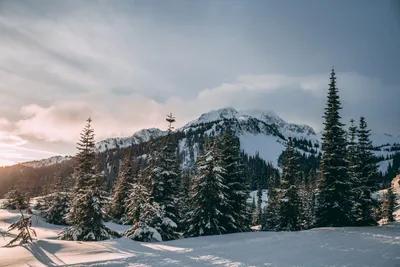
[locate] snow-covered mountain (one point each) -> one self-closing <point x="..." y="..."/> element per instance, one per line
<point x="46" y="162"/>
<point x="259" y="132"/>
<point x="141" y="136"/>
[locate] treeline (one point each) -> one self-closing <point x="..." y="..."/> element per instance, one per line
<point x="163" y="202"/>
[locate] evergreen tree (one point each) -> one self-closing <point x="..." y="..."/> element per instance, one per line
<point x="367" y="173"/>
<point x="290" y="208"/>
<point x="184" y="197"/>
<point x="271" y="213"/>
<point x="137" y="198"/>
<point x="58" y="204"/>
<point x="388" y="205"/>
<point x="23" y="225"/>
<point x="122" y="188"/>
<point x="353" y="167"/>
<point x="163" y="176"/>
<point x="333" y="206"/>
<point x="86" y="212"/>
<point x="238" y="191"/>
<point x="210" y="195"/>
<point x="15" y="200"/>
<point x="151" y="200"/>
<point x="147" y="216"/>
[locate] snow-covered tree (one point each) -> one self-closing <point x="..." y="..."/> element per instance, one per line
<point x="15" y="200"/>
<point x="209" y="199"/>
<point x="238" y="191"/>
<point x="367" y="174"/>
<point x="127" y="176"/>
<point x="23" y="225"/>
<point x="184" y="197"/>
<point x="161" y="178"/>
<point x="290" y="205"/>
<point x="271" y="211"/>
<point x="138" y="197"/>
<point x="353" y="167"/>
<point x="58" y="204"/>
<point x="154" y="200"/>
<point x="86" y="212"/>
<point x="147" y="229"/>
<point x="333" y="206"/>
<point x="147" y="216"/>
<point x="388" y="205"/>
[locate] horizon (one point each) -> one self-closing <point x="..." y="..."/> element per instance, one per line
<point x="128" y="64"/>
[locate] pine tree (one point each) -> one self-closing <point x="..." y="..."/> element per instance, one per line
<point x="353" y="167"/>
<point x="137" y="198"/>
<point x="58" y="206"/>
<point x="210" y="195"/>
<point x="126" y="177"/>
<point x="388" y="205"/>
<point x="23" y="225"/>
<point x="147" y="215"/>
<point x="15" y="200"/>
<point x="290" y="208"/>
<point x="367" y="174"/>
<point x="184" y="197"/>
<point x="234" y="177"/>
<point x="163" y="176"/>
<point x="86" y="212"/>
<point x="271" y="211"/>
<point x="333" y="206"/>
<point x="152" y="197"/>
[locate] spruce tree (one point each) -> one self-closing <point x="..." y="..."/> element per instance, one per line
<point x="333" y="206"/>
<point x="58" y="204"/>
<point x="238" y="191"/>
<point x="152" y="204"/>
<point x="353" y="167"/>
<point x="15" y="200"/>
<point x="126" y="177"/>
<point x="86" y="212"/>
<point x="184" y="197"/>
<point x="209" y="199"/>
<point x="290" y="207"/>
<point x="388" y="205"/>
<point x="367" y="173"/>
<point x="146" y="215"/>
<point x="163" y="176"/>
<point x="271" y="211"/>
<point x="138" y="196"/>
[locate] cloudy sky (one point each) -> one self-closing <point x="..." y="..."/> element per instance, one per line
<point x="128" y="63"/>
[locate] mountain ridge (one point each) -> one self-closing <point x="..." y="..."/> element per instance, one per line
<point x="262" y="132"/>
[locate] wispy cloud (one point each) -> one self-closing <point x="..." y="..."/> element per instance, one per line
<point x="127" y="64"/>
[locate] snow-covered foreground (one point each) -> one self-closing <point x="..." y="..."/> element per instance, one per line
<point x="369" y="246"/>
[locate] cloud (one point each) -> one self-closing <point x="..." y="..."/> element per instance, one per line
<point x="8" y="140"/>
<point x="295" y="98"/>
<point x="128" y="65"/>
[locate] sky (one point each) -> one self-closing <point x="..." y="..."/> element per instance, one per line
<point x="129" y="63"/>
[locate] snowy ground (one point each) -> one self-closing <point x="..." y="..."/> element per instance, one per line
<point x="369" y="246"/>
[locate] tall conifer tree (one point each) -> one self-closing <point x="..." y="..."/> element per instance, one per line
<point x="234" y="178"/>
<point x="334" y="207"/>
<point x="86" y="213"/>
<point x="127" y="176"/>
<point x="210" y="199"/>
<point x="367" y="173"/>
<point x="290" y="206"/>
